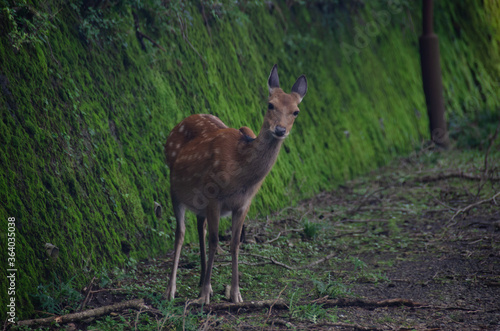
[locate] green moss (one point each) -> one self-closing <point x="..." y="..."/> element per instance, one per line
<point x="83" y="124"/>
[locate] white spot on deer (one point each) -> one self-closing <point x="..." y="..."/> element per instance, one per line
<point x="173" y="154"/>
<point x="217" y="151"/>
<point x="216" y="163"/>
<point x="178" y="146"/>
<point x="170" y="144"/>
<point x="181" y="128"/>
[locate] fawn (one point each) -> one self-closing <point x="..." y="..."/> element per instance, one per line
<point x="216" y="171"/>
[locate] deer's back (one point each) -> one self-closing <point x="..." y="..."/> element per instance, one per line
<point x="192" y="127"/>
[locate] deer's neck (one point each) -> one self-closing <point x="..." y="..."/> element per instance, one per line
<point x="260" y="156"/>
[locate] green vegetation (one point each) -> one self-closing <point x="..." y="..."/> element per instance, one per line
<point x="87" y="103"/>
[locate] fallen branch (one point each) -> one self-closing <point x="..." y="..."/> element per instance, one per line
<point x="276" y="304"/>
<point x="469" y="207"/>
<point x="347" y="325"/>
<point x="281" y="304"/>
<point x="279" y="321"/>
<point x="370" y="303"/>
<point x="461" y="175"/>
<point x="96" y="312"/>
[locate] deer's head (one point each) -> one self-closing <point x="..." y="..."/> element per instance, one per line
<point x="282" y="108"/>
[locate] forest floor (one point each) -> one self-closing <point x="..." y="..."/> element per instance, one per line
<point x="414" y="245"/>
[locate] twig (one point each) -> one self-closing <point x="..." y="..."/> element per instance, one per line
<point x="350" y="233"/>
<point x="141" y="35"/>
<point x="88" y="293"/>
<point x="279" y="321"/>
<point x="186" y="305"/>
<point x="403" y="210"/>
<point x="279" y="295"/>
<point x="469" y="207"/>
<point x="137" y="318"/>
<point x="312" y="264"/>
<point x="364" y="199"/>
<point x="96" y="312"/>
<point x="461" y="175"/>
<point x="303" y="215"/>
<point x="365" y="221"/>
<point x="273" y="261"/>
<point x="205" y="20"/>
<point x="440" y="202"/>
<point x="273" y="240"/>
<point x="151" y="40"/>
<point x="283" y="232"/>
<point x="189" y="43"/>
<point x="107" y="290"/>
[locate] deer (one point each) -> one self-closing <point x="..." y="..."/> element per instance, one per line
<point x="215" y="171"/>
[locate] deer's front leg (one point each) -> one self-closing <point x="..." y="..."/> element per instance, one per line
<point x="237" y="225"/>
<point x="213" y="215"/>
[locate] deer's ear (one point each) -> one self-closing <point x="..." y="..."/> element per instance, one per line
<point x="273" y="81"/>
<point x="300" y="87"/>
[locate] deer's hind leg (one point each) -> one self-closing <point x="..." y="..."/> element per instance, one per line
<point x="180" y="230"/>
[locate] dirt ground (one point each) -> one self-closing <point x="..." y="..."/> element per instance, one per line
<point x="412" y="246"/>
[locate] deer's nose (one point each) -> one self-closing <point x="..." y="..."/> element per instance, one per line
<point x="280" y="131"/>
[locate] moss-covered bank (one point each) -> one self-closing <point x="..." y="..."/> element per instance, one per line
<point x="85" y="112"/>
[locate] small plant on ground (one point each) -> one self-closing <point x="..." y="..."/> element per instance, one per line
<point x="311" y="312"/>
<point x="57" y="297"/>
<point x="363" y="275"/>
<point x="311" y="229"/>
<point x="332" y="288"/>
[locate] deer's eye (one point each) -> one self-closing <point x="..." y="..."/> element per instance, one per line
<point x="296" y="113"/>
<point x="270" y="106"/>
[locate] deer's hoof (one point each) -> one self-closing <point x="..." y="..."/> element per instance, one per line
<point x="236" y="297"/>
<point x="233" y="295"/>
<point x="203" y="300"/>
<point x="206" y="293"/>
